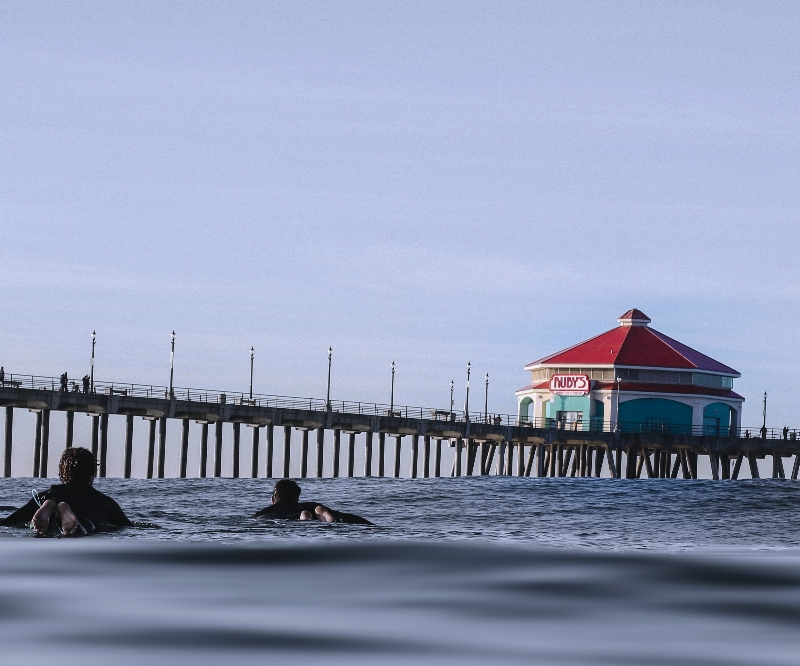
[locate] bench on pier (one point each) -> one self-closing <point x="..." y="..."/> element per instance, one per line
<point x="115" y="391"/>
<point x="394" y="413"/>
<point x="9" y="383"/>
<point x="443" y="414"/>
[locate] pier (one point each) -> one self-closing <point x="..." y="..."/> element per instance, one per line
<point x="442" y="442"/>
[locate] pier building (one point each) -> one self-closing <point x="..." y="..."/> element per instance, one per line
<point x="631" y="378"/>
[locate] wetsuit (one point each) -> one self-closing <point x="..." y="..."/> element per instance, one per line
<point x="292" y="511"/>
<point x="92" y="508"/>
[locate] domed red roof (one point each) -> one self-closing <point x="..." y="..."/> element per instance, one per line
<point x="634" y="343"/>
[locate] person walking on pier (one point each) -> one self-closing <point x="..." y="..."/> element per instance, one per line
<point x="77" y="506"/>
<point x="64" y="380"/>
<point x="2" y="376"/>
<point x="85" y="382"/>
<point x="286" y="504"/>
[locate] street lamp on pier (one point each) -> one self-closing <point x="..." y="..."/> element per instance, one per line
<point x="391" y="399"/>
<point x="466" y="402"/>
<point x="486" y="401"/>
<point x="252" y="355"/>
<point x="452" y="386"/>
<point x="91" y="376"/>
<point x="328" y="398"/>
<point x="172" y="365"/>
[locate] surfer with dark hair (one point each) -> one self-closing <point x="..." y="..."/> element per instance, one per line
<point x="286" y="504"/>
<point x="74" y="503"/>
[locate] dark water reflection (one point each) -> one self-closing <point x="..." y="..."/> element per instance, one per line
<point x="483" y="570"/>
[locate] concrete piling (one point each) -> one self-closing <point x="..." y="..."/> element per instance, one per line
<point x="9" y="440"/>
<point x="351" y="453"/>
<point x="217" y="449"/>
<point x="270" y="453"/>
<point x="367" y="452"/>
<point x="337" y="451"/>
<point x="68" y="436"/>
<point x="304" y="455"/>
<point x="95" y="434"/>
<point x="287" y="450"/>
<point x="103" y="444"/>
<point x="184" y="447"/>
<point x="414" y="455"/>
<point x="162" y="445"/>
<point x="203" y="450"/>
<point x="237" y="427"/>
<point x="37" y="444"/>
<point x="45" y="442"/>
<point x="381" y="453"/>
<point x="151" y="447"/>
<point x="128" y="445"/>
<point x="254" y="445"/>
<point x="398" y="439"/>
<point x="320" y="451"/>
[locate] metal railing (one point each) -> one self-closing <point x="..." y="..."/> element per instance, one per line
<point x="383" y="410"/>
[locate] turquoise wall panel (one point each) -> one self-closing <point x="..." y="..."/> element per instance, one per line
<point x="647" y="414"/>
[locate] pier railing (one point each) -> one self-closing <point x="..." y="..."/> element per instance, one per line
<point x="154" y="391"/>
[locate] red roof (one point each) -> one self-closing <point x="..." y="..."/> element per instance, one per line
<point x="633" y="387"/>
<point x="633" y="343"/>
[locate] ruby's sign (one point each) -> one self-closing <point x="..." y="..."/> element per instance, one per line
<point x="569" y="384"/>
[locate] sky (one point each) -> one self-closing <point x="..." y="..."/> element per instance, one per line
<point x="429" y="183"/>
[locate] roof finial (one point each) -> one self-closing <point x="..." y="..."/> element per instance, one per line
<point x="634" y="317"/>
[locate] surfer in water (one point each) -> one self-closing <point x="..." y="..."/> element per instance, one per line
<point x="74" y="503"/>
<point x="286" y="504"/>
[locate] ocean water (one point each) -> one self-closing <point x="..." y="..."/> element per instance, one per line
<point x="467" y="570"/>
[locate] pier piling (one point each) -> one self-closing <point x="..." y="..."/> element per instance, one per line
<point x="337" y="452"/>
<point x="9" y="439"/>
<point x="287" y="450"/>
<point x="184" y="448"/>
<point x="95" y="434"/>
<point x="37" y="444"/>
<point x="351" y="453"/>
<point x="367" y="452"/>
<point x="218" y="449"/>
<point x="270" y="453"/>
<point x="103" y="445"/>
<point x="254" y="452"/>
<point x="236" y="451"/>
<point x="151" y="447"/>
<point x="162" y="445"/>
<point x="68" y="436"/>
<point x="203" y="450"/>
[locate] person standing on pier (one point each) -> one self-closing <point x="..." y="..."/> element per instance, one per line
<point x="2" y="376"/>
<point x="75" y="504"/>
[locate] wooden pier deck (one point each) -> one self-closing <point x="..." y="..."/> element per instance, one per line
<point x="482" y="444"/>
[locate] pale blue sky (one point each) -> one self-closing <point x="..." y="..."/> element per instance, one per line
<point x="430" y="183"/>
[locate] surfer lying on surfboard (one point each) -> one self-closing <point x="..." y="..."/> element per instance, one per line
<point x="286" y="504"/>
<point x="73" y="506"/>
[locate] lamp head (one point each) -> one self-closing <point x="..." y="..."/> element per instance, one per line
<point x="330" y="352"/>
<point x="172" y="337"/>
<point x="94" y="336"/>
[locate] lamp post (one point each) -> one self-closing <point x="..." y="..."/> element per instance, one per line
<point x="764" y="424"/>
<point x="452" y="386"/>
<point x="466" y="402"/>
<point x="172" y="364"/>
<point x="616" y="422"/>
<point x="486" y="401"/>
<point x="391" y="399"/>
<point x="252" y="355"/>
<point x="328" y="399"/>
<point x="91" y="376"/>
